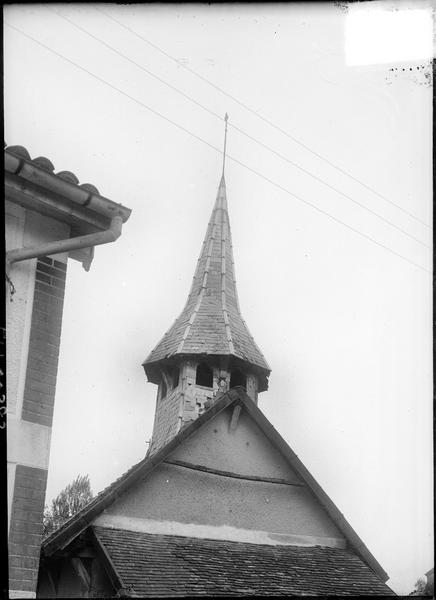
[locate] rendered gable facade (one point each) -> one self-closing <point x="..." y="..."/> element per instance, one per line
<point x="229" y="483"/>
<point x="226" y="486"/>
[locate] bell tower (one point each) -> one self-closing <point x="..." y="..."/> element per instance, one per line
<point x="209" y="348"/>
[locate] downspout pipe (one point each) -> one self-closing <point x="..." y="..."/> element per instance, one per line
<point x="84" y="241"/>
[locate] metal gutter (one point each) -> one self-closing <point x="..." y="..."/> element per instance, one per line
<point x="81" y="206"/>
<point x="59" y="246"/>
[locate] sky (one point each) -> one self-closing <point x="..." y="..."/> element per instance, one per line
<point x="337" y="298"/>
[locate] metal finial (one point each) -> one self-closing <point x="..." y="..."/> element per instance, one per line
<point x="226" y="118"/>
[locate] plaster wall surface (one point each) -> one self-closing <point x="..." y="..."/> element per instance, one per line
<point x="210" y="532"/>
<point x="194" y="401"/>
<point x="173" y="493"/>
<point x="179" y="494"/>
<point x="21" y="594"/>
<point x="28" y="443"/>
<point x="245" y="451"/>
<point x="18" y="308"/>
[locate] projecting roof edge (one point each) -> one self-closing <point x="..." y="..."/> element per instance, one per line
<point x="39" y="172"/>
<point x="339" y="519"/>
<point x="155" y="361"/>
<point x="67" y="532"/>
<point x="111" y="570"/>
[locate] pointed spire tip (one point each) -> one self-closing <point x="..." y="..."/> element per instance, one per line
<point x="226" y="118"/>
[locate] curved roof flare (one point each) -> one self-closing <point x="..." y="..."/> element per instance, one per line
<point x="211" y="322"/>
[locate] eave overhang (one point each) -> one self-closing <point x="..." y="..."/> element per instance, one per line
<point x="33" y="185"/>
<point x="153" y="369"/>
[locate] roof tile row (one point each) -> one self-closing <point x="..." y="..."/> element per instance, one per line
<point x="164" y="565"/>
<point x="44" y="163"/>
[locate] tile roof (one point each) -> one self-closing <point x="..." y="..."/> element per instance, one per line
<point x="44" y="163"/>
<point x="40" y="173"/>
<point x="211" y="321"/>
<point x="150" y="565"/>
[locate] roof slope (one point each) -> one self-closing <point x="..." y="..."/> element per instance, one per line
<point x="211" y="321"/>
<point x="79" y="522"/>
<point x="150" y="565"/>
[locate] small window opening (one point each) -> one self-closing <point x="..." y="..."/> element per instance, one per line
<point x="204" y="375"/>
<point x="163" y="388"/>
<point x="175" y="376"/>
<point x="237" y="378"/>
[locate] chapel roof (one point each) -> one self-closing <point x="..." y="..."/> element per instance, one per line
<point x="150" y="565"/>
<point x="82" y="520"/>
<point x="211" y="322"/>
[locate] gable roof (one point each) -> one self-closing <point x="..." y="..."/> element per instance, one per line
<point x="79" y="522"/>
<point x="211" y="322"/>
<point x="150" y="565"/>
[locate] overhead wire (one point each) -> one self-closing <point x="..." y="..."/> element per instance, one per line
<point x="257" y="114"/>
<point x="219" y="150"/>
<point x="244" y="133"/>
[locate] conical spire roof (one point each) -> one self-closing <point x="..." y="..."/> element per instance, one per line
<point x="211" y="321"/>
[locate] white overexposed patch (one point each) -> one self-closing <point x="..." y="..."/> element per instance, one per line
<point x="378" y="32"/>
<point x="212" y="532"/>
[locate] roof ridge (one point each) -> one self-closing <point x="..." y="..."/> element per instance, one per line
<point x="224" y="232"/>
<point x="202" y="291"/>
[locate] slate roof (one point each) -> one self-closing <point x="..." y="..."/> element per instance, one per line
<point x="211" y="321"/>
<point x="72" y="528"/>
<point x="149" y="565"/>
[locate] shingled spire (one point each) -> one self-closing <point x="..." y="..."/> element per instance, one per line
<point x="209" y="344"/>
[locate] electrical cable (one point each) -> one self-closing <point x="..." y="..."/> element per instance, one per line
<point x="252" y="111"/>
<point x="216" y="115"/>
<point x="155" y="112"/>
